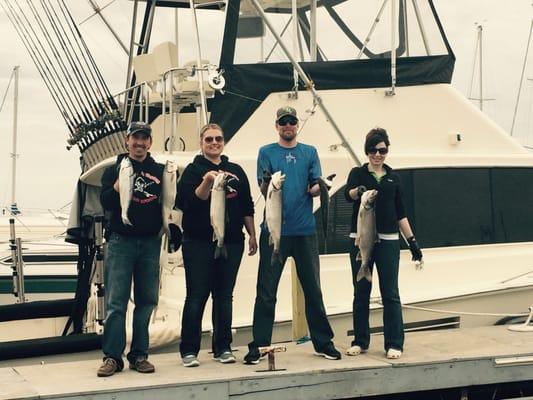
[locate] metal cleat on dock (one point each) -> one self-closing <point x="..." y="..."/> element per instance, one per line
<point x="526" y="326"/>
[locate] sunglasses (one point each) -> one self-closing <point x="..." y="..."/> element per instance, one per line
<point x="381" y="150"/>
<point x="288" y="121"/>
<point x="218" y="139"/>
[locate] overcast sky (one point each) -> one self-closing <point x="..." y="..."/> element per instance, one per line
<point x="47" y="172"/>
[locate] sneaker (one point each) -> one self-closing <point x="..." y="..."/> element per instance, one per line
<point x="253" y="356"/>
<point x="226" y="357"/>
<point x="190" y="360"/>
<point x="108" y="368"/>
<point x="393" y="354"/>
<point x="355" y="350"/>
<point x="143" y="366"/>
<point x="330" y="352"/>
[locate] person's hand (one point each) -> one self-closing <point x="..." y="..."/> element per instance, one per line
<point x="416" y="253"/>
<point x="210" y="176"/>
<point x="116" y="186"/>
<point x="360" y="190"/>
<point x="252" y="246"/>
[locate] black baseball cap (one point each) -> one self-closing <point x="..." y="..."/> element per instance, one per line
<point x="139" y="127"/>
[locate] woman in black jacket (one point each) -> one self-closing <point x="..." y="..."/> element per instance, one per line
<point x="206" y="274"/>
<point x="390" y="219"/>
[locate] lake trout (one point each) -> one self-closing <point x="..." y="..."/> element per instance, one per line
<point x="325" y="184"/>
<point x="126" y="176"/>
<point x="367" y="235"/>
<point x="218" y="213"/>
<point x="274" y="212"/>
<point x="171" y="215"/>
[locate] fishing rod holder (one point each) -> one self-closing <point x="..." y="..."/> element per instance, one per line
<point x="99" y="269"/>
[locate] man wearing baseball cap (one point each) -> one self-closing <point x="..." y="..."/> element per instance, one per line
<point x="300" y="165"/>
<point x="133" y="247"/>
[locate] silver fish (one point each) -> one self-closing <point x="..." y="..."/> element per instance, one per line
<point x="168" y="195"/>
<point x="325" y="184"/>
<point x="274" y="212"/>
<point x="218" y="213"/>
<point x="126" y="176"/>
<point x="367" y="234"/>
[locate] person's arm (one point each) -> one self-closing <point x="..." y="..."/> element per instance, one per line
<point x="264" y="172"/>
<point x="353" y="189"/>
<point x="203" y="190"/>
<point x="109" y="196"/>
<point x="250" y="228"/>
<point x="405" y="228"/>
<point x="315" y="172"/>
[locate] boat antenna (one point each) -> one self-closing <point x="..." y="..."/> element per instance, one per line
<point x="309" y="84"/>
<point x="522" y="78"/>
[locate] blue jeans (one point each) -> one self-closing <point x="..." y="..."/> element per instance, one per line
<point x="304" y="250"/>
<point x="206" y="275"/>
<point x="386" y="256"/>
<point x="127" y="258"/>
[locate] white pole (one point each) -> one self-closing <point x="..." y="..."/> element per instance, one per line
<point x="203" y="103"/>
<point x="480" y="33"/>
<point x="295" y="41"/>
<point x="421" y="27"/>
<point x="393" y="48"/>
<point x="522" y="77"/>
<point x="14" y="154"/>
<point x="176" y="34"/>
<point x="313" y="31"/>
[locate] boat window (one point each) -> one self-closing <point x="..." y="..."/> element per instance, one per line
<point x="450" y="207"/>
<point x="44" y="258"/>
<point x="346" y="30"/>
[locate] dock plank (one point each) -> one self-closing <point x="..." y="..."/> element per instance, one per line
<point x="432" y="360"/>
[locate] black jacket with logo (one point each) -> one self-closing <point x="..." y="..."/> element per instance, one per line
<point x="196" y="212"/>
<point x="389" y="202"/>
<point x="145" y="207"/>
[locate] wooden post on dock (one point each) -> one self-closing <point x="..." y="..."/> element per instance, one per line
<point x="299" y="322"/>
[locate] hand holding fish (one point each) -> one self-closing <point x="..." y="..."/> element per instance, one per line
<point x="210" y="176"/>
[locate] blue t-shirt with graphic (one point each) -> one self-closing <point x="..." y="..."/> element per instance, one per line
<point x="301" y="166"/>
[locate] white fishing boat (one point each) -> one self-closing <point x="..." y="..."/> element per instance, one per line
<point x="465" y="180"/>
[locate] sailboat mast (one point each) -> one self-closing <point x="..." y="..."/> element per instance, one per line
<point x="14" y="154"/>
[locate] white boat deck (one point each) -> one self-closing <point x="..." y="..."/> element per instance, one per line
<point x="432" y="360"/>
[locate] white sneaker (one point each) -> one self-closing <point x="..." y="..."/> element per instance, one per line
<point x="355" y="350"/>
<point x="393" y="354"/>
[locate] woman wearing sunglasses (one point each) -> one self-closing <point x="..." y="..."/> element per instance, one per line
<point x="204" y="274"/>
<point x="390" y="219"/>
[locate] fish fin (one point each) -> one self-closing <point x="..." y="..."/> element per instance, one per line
<point x="360" y="274"/>
<point x="368" y="274"/>
<point x="358" y="256"/>
<point x="126" y="221"/>
<point x="270" y="240"/>
<point x="364" y="272"/>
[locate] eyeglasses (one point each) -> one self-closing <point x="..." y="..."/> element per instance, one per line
<point x="288" y="121"/>
<point x="218" y="139"/>
<point x="381" y="150"/>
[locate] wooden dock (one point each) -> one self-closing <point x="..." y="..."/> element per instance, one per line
<point x="432" y="360"/>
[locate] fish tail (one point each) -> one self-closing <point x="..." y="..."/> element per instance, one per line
<point x="221" y="251"/>
<point x="126" y="221"/>
<point x="364" y="272"/>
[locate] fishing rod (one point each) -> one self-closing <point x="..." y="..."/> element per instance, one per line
<point x="42" y="67"/>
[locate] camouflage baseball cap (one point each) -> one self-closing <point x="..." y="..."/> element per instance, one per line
<point x="286" y="111"/>
<point x="139" y="127"/>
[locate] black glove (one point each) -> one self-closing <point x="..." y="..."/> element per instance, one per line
<point x="267" y="177"/>
<point x="360" y="190"/>
<point x="416" y="253"/>
<point x="175" y="238"/>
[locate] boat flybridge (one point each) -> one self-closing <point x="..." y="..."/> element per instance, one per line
<point x="346" y="66"/>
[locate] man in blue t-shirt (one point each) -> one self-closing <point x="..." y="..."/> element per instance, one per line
<point x="300" y="165"/>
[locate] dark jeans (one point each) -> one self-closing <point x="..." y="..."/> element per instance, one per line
<point x="205" y="275"/>
<point x="304" y="250"/>
<point x="128" y="258"/>
<point x="387" y="259"/>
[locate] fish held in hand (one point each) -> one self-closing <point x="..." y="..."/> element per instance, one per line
<point x="126" y="176"/>
<point x="274" y="212"/>
<point x="367" y="235"/>
<point x="218" y="213"/>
